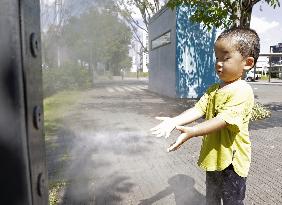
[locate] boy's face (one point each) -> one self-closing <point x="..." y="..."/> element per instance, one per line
<point x="229" y="62"/>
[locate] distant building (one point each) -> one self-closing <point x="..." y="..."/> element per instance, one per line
<point x="276" y="49"/>
<point x="135" y="47"/>
<point x="262" y="65"/>
<point x="140" y="58"/>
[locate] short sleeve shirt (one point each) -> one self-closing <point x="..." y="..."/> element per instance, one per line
<point x="230" y="145"/>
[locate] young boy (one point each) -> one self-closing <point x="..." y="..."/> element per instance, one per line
<point x="226" y="148"/>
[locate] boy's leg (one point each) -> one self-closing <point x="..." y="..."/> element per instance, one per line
<point x="213" y="188"/>
<point x="233" y="187"/>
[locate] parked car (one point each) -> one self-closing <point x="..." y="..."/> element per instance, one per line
<point x="250" y="76"/>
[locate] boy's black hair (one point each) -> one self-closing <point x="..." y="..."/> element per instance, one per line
<point x="245" y="40"/>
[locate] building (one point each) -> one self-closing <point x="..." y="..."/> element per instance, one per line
<point x="276" y="61"/>
<point x="181" y="57"/>
<point x="262" y="65"/>
<point x="276" y="49"/>
<point x="140" y="56"/>
<point x="133" y="52"/>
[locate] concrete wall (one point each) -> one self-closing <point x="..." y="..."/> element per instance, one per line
<point x="162" y="59"/>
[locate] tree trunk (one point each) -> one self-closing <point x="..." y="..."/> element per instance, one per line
<point x="245" y="19"/>
<point x="241" y="12"/>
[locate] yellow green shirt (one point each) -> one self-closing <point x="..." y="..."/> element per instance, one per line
<point x="233" y="104"/>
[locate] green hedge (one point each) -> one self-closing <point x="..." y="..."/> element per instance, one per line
<point x="134" y="74"/>
<point x="65" y="78"/>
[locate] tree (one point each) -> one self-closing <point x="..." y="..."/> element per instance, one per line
<point x="53" y="22"/>
<point x="145" y="8"/>
<point x="222" y="14"/>
<point x="98" y="36"/>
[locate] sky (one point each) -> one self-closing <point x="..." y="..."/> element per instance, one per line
<point x="268" y="24"/>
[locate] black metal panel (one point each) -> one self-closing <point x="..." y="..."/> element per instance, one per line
<point x="22" y="150"/>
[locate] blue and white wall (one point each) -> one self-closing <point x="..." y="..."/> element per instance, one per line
<point x="194" y="56"/>
<point x="184" y="68"/>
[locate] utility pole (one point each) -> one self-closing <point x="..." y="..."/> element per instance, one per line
<point x="269" y="61"/>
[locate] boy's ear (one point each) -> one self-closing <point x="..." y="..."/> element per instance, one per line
<point x="249" y="63"/>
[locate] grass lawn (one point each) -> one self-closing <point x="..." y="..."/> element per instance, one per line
<point x="55" y="108"/>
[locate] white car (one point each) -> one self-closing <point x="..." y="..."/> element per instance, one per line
<point x="250" y="76"/>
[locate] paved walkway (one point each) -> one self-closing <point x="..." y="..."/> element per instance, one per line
<point x="113" y="159"/>
<point x="273" y="81"/>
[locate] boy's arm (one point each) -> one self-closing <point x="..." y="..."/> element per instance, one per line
<point x="168" y="124"/>
<point x="208" y="126"/>
<point x="188" y="116"/>
<point x="200" y="129"/>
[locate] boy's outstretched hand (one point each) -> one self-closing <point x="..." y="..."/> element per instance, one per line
<point x="186" y="133"/>
<point x="164" y="128"/>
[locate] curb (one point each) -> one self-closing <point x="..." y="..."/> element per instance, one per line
<point x="266" y="83"/>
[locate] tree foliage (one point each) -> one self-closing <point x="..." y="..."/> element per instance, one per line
<point x="97" y="36"/>
<point x="223" y="13"/>
<point x="95" y="42"/>
<point x="129" y="9"/>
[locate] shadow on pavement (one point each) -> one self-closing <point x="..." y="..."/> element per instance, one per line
<point x="182" y="187"/>
<point x="76" y="158"/>
<point x="102" y="191"/>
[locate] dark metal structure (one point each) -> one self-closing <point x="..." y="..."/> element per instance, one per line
<point x="23" y="174"/>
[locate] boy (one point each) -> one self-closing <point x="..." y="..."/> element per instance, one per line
<point x="226" y="148"/>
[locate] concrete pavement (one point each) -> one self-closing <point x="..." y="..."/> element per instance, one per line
<point x="113" y="159"/>
<point x="273" y="81"/>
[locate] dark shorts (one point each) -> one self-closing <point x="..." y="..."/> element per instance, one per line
<point x="225" y="185"/>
